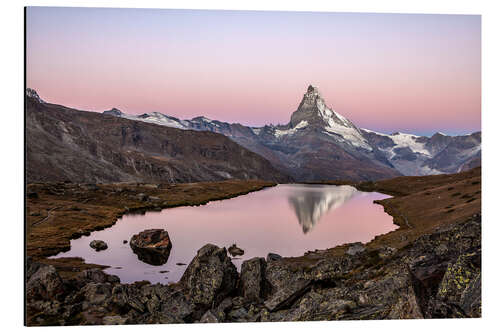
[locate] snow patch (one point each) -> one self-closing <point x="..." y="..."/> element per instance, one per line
<point x="279" y="133"/>
<point x="403" y="140"/>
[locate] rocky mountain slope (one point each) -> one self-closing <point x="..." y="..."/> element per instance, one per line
<point x="64" y="144"/>
<point x="319" y="143"/>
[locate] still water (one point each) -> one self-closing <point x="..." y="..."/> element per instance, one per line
<point x="287" y="219"/>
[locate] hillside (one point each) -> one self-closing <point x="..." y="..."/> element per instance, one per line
<point x="64" y="144"/>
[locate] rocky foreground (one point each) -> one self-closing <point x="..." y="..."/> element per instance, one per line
<point x="436" y="276"/>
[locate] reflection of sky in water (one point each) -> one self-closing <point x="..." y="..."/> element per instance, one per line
<point x="287" y="219"/>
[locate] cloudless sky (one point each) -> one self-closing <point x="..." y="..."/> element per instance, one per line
<point x="414" y="73"/>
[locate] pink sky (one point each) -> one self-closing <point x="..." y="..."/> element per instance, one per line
<point x="386" y="72"/>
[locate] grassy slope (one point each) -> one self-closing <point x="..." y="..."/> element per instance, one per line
<point x="419" y="204"/>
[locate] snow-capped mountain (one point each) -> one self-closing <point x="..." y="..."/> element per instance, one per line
<point x="319" y="143"/>
<point x="33" y="94"/>
<point x="421" y="155"/>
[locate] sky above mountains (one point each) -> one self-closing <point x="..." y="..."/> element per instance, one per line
<point x="387" y="72"/>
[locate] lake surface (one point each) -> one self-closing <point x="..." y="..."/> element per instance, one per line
<point x="287" y="219"/>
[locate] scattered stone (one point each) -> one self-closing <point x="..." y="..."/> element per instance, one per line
<point x="163" y="272"/>
<point x="83" y="232"/>
<point x="142" y="197"/>
<point x="125" y="241"/>
<point x="355" y="249"/>
<point x="235" y="251"/>
<point x="181" y="264"/>
<point x="209" y="317"/>
<point x="98" y="245"/>
<point x="152" y="246"/>
<point x="114" y="320"/>
<point x="273" y="257"/>
<point x="98" y="276"/>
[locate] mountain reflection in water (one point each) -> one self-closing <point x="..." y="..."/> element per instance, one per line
<point x="260" y="223"/>
<point x="312" y="203"/>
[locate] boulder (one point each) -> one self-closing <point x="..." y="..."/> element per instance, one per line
<point x="273" y="257"/>
<point x="98" y="245"/>
<point x="355" y="248"/>
<point x="43" y="282"/>
<point x="210" y="276"/>
<point x="98" y="276"/>
<point x="209" y="317"/>
<point x="458" y="276"/>
<point x="152" y="246"/>
<point x="252" y="278"/>
<point x="235" y="251"/>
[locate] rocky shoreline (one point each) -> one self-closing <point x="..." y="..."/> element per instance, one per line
<point x="429" y="268"/>
<point x="437" y="276"/>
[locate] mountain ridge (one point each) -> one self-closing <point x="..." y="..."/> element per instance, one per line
<point x="63" y="144"/>
<point x="318" y="143"/>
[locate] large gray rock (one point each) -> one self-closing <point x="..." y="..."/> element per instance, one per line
<point x="43" y="283"/>
<point x="152" y="246"/>
<point x="252" y="278"/>
<point x="210" y="276"/>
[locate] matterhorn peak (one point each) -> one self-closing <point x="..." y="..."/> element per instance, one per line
<point x="312" y="90"/>
<point x="33" y="94"/>
<point x="313" y="113"/>
<point x="312" y="109"/>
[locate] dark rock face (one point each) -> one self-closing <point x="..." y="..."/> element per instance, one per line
<point x="273" y="257"/>
<point x="252" y="280"/>
<point x="436" y="276"/>
<point x="43" y="282"/>
<point x="210" y="277"/>
<point x="152" y="246"/>
<point x="98" y="245"/>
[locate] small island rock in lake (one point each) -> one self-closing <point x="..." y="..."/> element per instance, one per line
<point x="152" y="246"/>
<point x="98" y="245"/>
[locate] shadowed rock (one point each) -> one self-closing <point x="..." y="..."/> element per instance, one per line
<point x="252" y="278"/>
<point x="98" y="245"/>
<point x="210" y="276"/>
<point x="235" y="251"/>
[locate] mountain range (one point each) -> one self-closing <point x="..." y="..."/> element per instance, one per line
<point x="64" y="144"/>
<point x="320" y="144"/>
